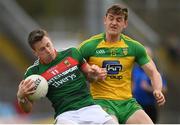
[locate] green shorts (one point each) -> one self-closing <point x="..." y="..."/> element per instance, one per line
<point x="122" y="109"/>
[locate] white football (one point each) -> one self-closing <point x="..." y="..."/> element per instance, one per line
<point x="41" y="87"/>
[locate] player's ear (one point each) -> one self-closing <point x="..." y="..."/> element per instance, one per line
<point x="104" y="20"/>
<point x="125" y="23"/>
<point x="35" y="53"/>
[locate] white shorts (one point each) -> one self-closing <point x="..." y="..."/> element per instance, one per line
<point x="87" y="115"/>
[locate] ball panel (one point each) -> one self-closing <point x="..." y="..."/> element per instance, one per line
<point x="41" y="87"/>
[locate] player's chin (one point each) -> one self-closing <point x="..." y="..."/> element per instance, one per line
<point x="161" y="102"/>
<point x="48" y="60"/>
<point x="113" y="32"/>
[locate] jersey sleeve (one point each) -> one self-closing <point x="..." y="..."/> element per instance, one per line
<point x="77" y="55"/>
<point x="33" y="69"/>
<point x="28" y="73"/>
<point x="87" y="48"/>
<point x="141" y="55"/>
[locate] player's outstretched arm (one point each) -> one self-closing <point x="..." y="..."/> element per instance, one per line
<point x="94" y="72"/>
<point x="156" y="81"/>
<point x="25" y="88"/>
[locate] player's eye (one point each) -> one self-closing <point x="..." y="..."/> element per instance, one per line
<point x="42" y="49"/>
<point x="111" y="18"/>
<point x="120" y="19"/>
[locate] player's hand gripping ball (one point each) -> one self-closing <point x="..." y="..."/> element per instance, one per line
<point x="41" y="87"/>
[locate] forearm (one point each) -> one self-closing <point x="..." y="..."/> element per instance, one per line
<point x="91" y="77"/>
<point x="157" y="89"/>
<point x="145" y="86"/>
<point x="26" y="87"/>
<point x="156" y="81"/>
<point x="25" y="104"/>
<point x="154" y="75"/>
<point x="94" y="73"/>
<point x="88" y="72"/>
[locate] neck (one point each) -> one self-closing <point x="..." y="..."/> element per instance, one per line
<point x="112" y="38"/>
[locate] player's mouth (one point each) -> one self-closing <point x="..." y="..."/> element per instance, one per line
<point x="49" y="58"/>
<point x="113" y="28"/>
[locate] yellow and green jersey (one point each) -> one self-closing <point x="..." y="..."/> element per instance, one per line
<point x="118" y="58"/>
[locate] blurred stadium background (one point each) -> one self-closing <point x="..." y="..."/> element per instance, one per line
<point x="153" y="22"/>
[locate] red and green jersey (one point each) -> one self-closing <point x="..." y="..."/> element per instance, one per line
<point x="118" y="58"/>
<point x="67" y="84"/>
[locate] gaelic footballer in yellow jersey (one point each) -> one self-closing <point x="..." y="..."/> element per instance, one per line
<point x="118" y="53"/>
<point x="118" y="58"/>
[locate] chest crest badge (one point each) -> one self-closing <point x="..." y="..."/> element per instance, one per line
<point x="125" y="51"/>
<point x="113" y="52"/>
<point x="67" y="63"/>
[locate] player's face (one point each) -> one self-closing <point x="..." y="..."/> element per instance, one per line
<point x="114" y="24"/>
<point x="44" y="50"/>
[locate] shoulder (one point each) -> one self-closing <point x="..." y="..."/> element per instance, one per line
<point x="94" y="40"/>
<point x="32" y="69"/>
<point x="131" y="41"/>
<point x="68" y="50"/>
<point x="135" y="46"/>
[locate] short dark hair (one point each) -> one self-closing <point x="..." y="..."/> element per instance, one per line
<point x="118" y="9"/>
<point x="35" y="36"/>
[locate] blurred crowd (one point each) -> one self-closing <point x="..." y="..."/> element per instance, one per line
<point x="173" y="43"/>
<point x="10" y="113"/>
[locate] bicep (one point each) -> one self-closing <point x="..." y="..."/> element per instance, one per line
<point x="141" y="55"/>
